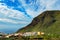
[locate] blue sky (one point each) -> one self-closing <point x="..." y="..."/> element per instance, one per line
<point x="15" y="14"/>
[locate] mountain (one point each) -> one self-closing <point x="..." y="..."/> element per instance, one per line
<point x="48" y="22"/>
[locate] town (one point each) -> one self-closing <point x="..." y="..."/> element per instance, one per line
<point x="2" y="35"/>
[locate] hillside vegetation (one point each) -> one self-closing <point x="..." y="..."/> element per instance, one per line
<point x="48" y="22"/>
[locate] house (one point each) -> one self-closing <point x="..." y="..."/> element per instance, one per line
<point x="29" y="34"/>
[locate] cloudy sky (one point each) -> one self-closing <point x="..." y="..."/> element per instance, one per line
<point x="15" y="14"/>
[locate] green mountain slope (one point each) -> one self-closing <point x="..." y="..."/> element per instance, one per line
<point x="48" y="22"/>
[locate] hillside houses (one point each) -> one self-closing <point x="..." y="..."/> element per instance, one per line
<point x="30" y="34"/>
<point x="23" y="34"/>
<point x="33" y="33"/>
<point x="2" y="34"/>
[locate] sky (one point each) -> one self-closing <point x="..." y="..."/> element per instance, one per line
<point x="16" y="14"/>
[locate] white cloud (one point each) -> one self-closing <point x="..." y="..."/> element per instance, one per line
<point x="10" y="13"/>
<point x="13" y="21"/>
<point x="51" y="4"/>
<point x="6" y="20"/>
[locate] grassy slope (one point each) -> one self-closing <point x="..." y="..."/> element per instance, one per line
<point x="48" y="22"/>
